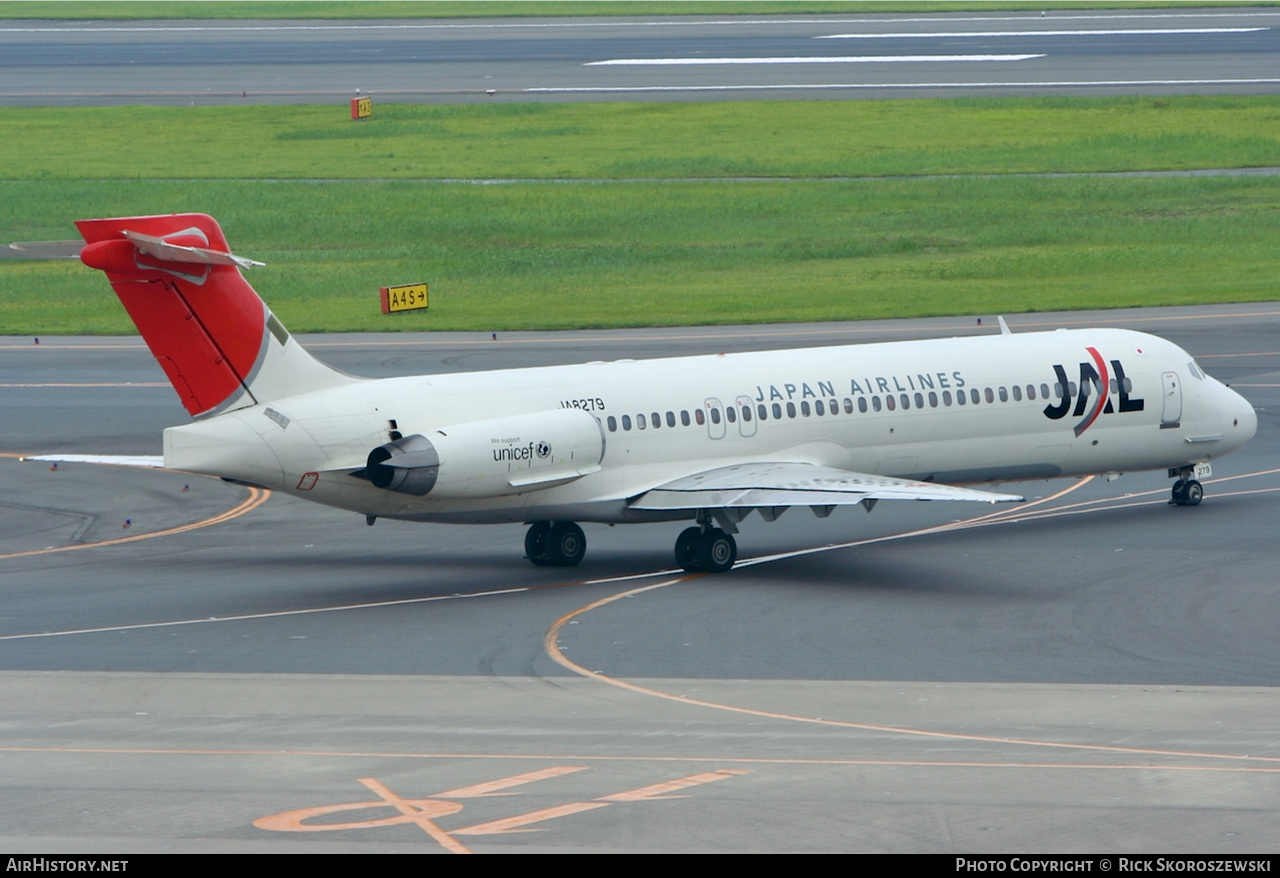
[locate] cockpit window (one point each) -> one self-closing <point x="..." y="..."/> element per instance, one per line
<point x="1195" y="371"/>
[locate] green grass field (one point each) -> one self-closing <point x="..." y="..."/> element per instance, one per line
<point x="627" y="140"/>
<point x="338" y="208"/>
<point x="408" y="9"/>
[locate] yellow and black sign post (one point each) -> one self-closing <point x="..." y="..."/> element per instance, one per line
<point x="361" y="108"/>
<point x="406" y="297"/>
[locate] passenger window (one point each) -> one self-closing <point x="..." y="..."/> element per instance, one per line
<point x="1044" y="390"/>
<point x="746" y="413"/>
<point x="862" y="404"/>
<point x="626" y="422"/>
<point x="657" y="420"/>
<point x="906" y="401"/>
<point x="804" y="408"/>
<point x="671" y="419"/>
<point x="777" y="412"/>
<point x="973" y="395"/>
<point x="875" y="403"/>
<point x="729" y="412"/>
<point x="684" y="417"/>
<point x="640" y="424"/>
<point x="791" y="410"/>
<point x="1017" y="393"/>
<point x="699" y="417"/>
<point x="919" y="400"/>
<point x="762" y="412"/>
<point x="848" y="405"/>
<point x="889" y="402"/>
<point x="613" y="424"/>
<point x="960" y="397"/>
<point x="933" y="400"/>
<point x="715" y="416"/>
<point x="819" y="408"/>
<point x="991" y="397"/>
<point x="1004" y="395"/>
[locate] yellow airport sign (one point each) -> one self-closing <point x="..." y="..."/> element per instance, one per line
<point x="406" y="297"/>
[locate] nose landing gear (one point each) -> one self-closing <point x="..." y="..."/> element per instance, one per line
<point x="555" y="543"/>
<point x="1187" y="491"/>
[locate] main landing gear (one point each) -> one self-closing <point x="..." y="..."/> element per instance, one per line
<point x="701" y="549"/>
<point x="1186" y="490"/>
<point x="555" y="543"/>
<point x="705" y="549"/>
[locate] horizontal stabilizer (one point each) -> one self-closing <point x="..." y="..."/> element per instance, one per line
<point x="162" y="249"/>
<point x="769" y="484"/>
<point x="42" y="250"/>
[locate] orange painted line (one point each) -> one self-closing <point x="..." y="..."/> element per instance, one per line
<point x="492" y="787"/>
<point x="295" y="821"/>
<point x="1233" y="356"/>
<point x="552" y="648"/>
<point x="514" y="824"/>
<point x="743" y="760"/>
<point x="415" y="814"/>
<point x="257" y="496"/>
<point x="662" y="790"/>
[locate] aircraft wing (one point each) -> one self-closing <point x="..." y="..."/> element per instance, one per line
<point x="769" y="484"/>
<point x="144" y="460"/>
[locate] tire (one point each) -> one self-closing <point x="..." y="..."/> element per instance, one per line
<point x="716" y="551"/>
<point x="1179" y="494"/>
<point x="1193" y="493"/>
<point x="687" y="549"/>
<point x="566" y="544"/>
<point x="535" y="543"/>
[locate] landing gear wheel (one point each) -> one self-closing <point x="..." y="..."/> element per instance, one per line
<point x="687" y="549"/>
<point x="1187" y="493"/>
<point x="716" y="551"/>
<point x="1192" y="494"/>
<point x="535" y="543"/>
<point x="566" y="544"/>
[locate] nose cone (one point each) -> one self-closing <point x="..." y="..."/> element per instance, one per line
<point x="1241" y="421"/>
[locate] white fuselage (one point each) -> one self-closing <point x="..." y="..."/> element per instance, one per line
<point x="891" y="409"/>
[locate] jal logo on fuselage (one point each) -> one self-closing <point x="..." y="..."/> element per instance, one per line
<point x="1095" y="382"/>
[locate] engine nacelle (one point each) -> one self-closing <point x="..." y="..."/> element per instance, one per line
<point x="491" y="458"/>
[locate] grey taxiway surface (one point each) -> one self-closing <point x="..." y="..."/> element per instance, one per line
<point x="1094" y="672"/>
<point x="1069" y="51"/>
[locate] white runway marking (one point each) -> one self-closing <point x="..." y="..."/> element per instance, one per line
<point x="815" y="59"/>
<point x="1101" y="83"/>
<point x="1046" y="33"/>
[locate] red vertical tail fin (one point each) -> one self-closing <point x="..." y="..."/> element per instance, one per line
<point x="220" y="345"/>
